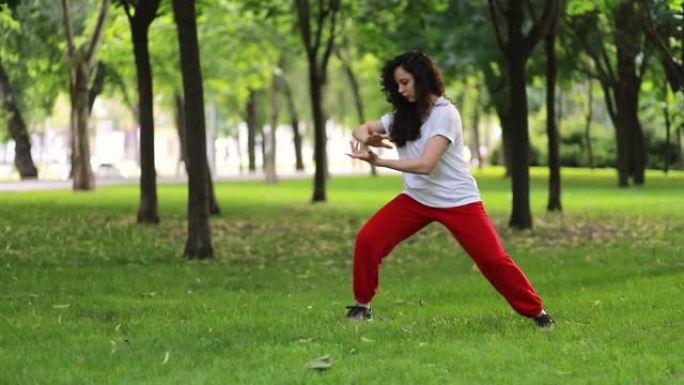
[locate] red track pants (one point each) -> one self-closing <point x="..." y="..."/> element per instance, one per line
<point x="469" y="224"/>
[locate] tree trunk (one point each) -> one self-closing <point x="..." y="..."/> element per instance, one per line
<point x="294" y="120"/>
<point x="627" y="93"/>
<point x="554" y="203"/>
<point x="680" y="158"/>
<point x="356" y="93"/>
<point x="17" y="127"/>
<point x="318" y="51"/>
<point x="517" y="50"/>
<point x="621" y="156"/>
<point x="499" y="91"/>
<point x="199" y="234"/>
<point x="148" y="212"/>
<point x="214" y="208"/>
<point x="476" y="128"/>
<point x="270" y="138"/>
<point x="668" y="128"/>
<point x="316" y="90"/>
<point x="180" y="128"/>
<point x="83" y="178"/>
<point x="252" y="128"/>
<point x="81" y="63"/>
<point x="521" y="216"/>
<point x="587" y="127"/>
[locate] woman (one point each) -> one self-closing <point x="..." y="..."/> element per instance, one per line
<point x="438" y="186"/>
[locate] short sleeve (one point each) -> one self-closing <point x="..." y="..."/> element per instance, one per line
<point x="447" y="124"/>
<point x="387" y="120"/>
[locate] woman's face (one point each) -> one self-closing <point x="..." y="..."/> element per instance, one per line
<point x="406" y="83"/>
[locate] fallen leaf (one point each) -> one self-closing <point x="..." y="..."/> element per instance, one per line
<point x="64" y="306"/>
<point x="320" y="363"/>
<point x="166" y="358"/>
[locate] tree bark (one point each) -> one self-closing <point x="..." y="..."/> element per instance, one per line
<point x="587" y="127"/>
<point x="356" y="93"/>
<point x="320" y="139"/>
<point x="252" y="128"/>
<point x="318" y="52"/>
<point x="17" y="127"/>
<point x="517" y="49"/>
<point x="83" y="178"/>
<point x="180" y="127"/>
<point x="499" y="91"/>
<point x="294" y="121"/>
<point x="145" y="13"/>
<point x="270" y="138"/>
<point x="476" y="128"/>
<point x="98" y="84"/>
<point x="81" y="65"/>
<point x="199" y="233"/>
<point x="668" y="129"/>
<point x="627" y="88"/>
<point x="554" y="203"/>
<point x="214" y="208"/>
<point x="680" y="154"/>
<point x="521" y="216"/>
<point x="620" y="84"/>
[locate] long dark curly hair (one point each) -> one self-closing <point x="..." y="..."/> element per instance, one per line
<point x="409" y="116"/>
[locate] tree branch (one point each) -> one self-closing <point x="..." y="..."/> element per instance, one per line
<point x="305" y="23"/>
<point x="97" y="34"/>
<point x="644" y="62"/>
<point x="493" y="11"/>
<point x="322" y="14"/>
<point x="610" y="103"/>
<point x="532" y="12"/>
<point x="71" y="50"/>
<point x="334" y="10"/>
<point x="127" y="9"/>
<point x="675" y="69"/>
<point x="540" y="27"/>
<point x="605" y="72"/>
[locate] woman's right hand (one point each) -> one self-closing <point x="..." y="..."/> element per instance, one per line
<point x="358" y="151"/>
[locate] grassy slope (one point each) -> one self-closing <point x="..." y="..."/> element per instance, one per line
<point x="90" y="297"/>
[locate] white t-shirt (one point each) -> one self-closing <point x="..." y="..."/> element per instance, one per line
<point x="450" y="183"/>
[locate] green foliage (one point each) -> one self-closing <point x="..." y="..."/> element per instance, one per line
<point x="100" y="299"/>
<point x="30" y="50"/>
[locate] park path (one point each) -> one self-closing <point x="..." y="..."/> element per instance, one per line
<point x="41" y="185"/>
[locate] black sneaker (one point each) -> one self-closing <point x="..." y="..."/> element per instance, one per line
<point x="359" y="313"/>
<point x="544" y="321"/>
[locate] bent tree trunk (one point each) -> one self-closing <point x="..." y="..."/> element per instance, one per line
<point x="294" y="121"/>
<point x="270" y="136"/>
<point x="17" y="127"/>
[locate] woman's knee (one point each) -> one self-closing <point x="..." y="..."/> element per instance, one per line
<point x="366" y="237"/>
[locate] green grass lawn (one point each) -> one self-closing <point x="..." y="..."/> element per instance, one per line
<point x="89" y="297"/>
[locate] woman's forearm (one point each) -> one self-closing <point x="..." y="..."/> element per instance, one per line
<point x="361" y="133"/>
<point x="410" y="165"/>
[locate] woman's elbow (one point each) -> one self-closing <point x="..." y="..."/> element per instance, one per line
<point x="426" y="168"/>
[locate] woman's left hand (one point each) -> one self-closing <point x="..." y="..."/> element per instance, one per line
<point x="358" y="151"/>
